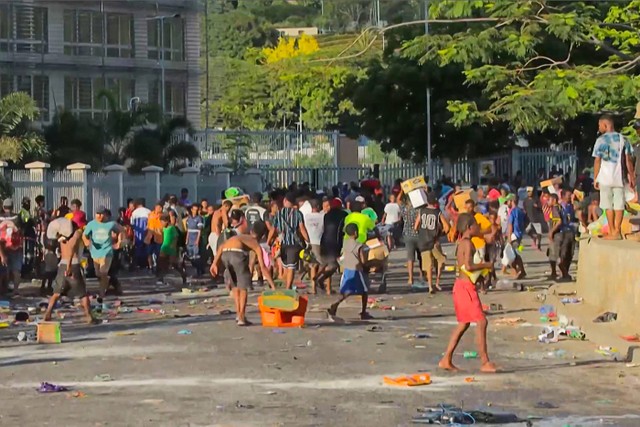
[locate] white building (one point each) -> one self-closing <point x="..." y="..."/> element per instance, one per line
<point x="64" y="52"/>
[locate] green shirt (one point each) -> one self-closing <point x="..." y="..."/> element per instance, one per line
<point x="169" y="241"/>
<point x="364" y="223"/>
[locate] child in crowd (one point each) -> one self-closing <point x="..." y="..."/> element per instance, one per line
<point x="50" y="269"/>
<point x="353" y="279"/>
<point x="169" y="250"/>
<point x="466" y="301"/>
<point x="494" y="247"/>
<point x="194" y="226"/>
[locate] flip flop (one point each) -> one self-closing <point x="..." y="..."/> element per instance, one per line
<point x="413" y="380"/>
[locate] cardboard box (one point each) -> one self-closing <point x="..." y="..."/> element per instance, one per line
<point x="418" y="197"/>
<point x="550" y="182"/>
<point x="49" y="333"/>
<point x="413" y="184"/>
<point x="461" y="197"/>
<point x="377" y="250"/>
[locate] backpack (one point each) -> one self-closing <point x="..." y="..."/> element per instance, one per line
<point x="10" y="235"/>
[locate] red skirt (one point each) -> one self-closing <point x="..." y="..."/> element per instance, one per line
<point x="467" y="302"/>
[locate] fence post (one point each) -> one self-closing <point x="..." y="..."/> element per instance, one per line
<point x="3" y="165"/>
<point x="38" y="175"/>
<point x="116" y="172"/>
<point x="191" y="174"/>
<point x="254" y="180"/>
<point x="152" y="178"/>
<point x="515" y="161"/>
<point x="223" y="176"/>
<point x="79" y="174"/>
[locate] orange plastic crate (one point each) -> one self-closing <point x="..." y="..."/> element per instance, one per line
<point x="274" y="318"/>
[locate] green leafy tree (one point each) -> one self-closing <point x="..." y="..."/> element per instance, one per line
<point x="18" y="142"/>
<point x="391" y="107"/>
<point x="156" y="144"/>
<point x="540" y="63"/>
<point x="71" y="139"/>
<point x="232" y="33"/>
<point x="318" y="159"/>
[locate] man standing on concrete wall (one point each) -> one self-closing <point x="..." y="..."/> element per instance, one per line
<point x="613" y="167"/>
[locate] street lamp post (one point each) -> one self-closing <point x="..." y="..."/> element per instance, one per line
<point x="426" y="32"/>
<point x="161" y="20"/>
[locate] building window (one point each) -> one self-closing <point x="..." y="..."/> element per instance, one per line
<point x="85" y="35"/>
<point x="174" y="95"/>
<point x="172" y="31"/>
<point x="23" y="29"/>
<point x="37" y="87"/>
<point x="82" y="95"/>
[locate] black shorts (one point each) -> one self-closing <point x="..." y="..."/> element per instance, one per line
<point x="74" y="285"/>
<point x="290" y="256"/>
<point x="236" y="264"/>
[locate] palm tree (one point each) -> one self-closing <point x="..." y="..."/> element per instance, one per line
<point x="72" y="139"/>
<point x="143" y="137"/>
<point x="18" y="142"/>
<point x="158" y="144"/>
<point x="120" y="126"/>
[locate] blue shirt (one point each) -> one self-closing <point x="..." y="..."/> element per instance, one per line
<point x="100" y="235"/>
<point x="516" y="220"/>
<point x="194" y="224"/>
<point x="567" y="214"/>
<point x="607" y="147"/>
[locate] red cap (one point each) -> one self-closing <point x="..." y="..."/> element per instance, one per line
<point x="336" y="203"/>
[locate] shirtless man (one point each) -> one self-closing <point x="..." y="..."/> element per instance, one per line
<point x="233" y="254"/>
<point x="466" y="302"/>
<point x="70" y="278"/>
<point x="219" y="222"/>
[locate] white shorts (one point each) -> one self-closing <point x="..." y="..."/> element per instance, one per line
<point x="612" y="198"/>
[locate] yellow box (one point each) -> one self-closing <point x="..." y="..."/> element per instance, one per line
<point x="461" y="197"/>
<point x="49" y="333"/>
<point x="553" y="181"/>
<point x="413" y="184"/>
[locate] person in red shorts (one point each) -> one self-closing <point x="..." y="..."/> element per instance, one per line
<point x="465" y="297"/>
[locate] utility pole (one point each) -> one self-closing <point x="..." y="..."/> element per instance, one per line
<point x="426" y="32"/>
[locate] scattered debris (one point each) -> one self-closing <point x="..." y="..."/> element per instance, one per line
<point x="375" y="328"/>
<point x="470" y="354"/>
<point x="571" y="300"/>
<point x="103" y="378"/>
<point x="470" y="380"/>
<point x="545" y="405"/>
<point x="243" y="406"/>
<point x="77" y="394"/>
<point x="606" y="317"/>
<point x="51" y="388"/>
<point x="184" y="332"/>
<point x="631" y="338"/>
<point x="417" y="336"/>
<point x="278" y="331"/>
<point x="451" y="415"/>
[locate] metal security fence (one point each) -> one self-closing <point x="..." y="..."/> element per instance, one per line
<point x="112" y="187"/>
<point x="283" y="148"/>
<point x="529" y="162"/>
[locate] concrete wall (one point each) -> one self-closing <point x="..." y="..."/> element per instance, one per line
<point x="609" y="277"/>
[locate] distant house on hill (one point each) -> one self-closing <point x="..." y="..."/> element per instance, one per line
<point x="298" y="31"/>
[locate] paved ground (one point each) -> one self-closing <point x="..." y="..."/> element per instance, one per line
<point x="327" y="374"/>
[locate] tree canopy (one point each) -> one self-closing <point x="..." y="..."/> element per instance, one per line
<point x="539" y="62"/>
<point x="18" y="142"/>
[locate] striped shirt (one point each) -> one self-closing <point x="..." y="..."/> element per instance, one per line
<point x="287" y="221"/>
